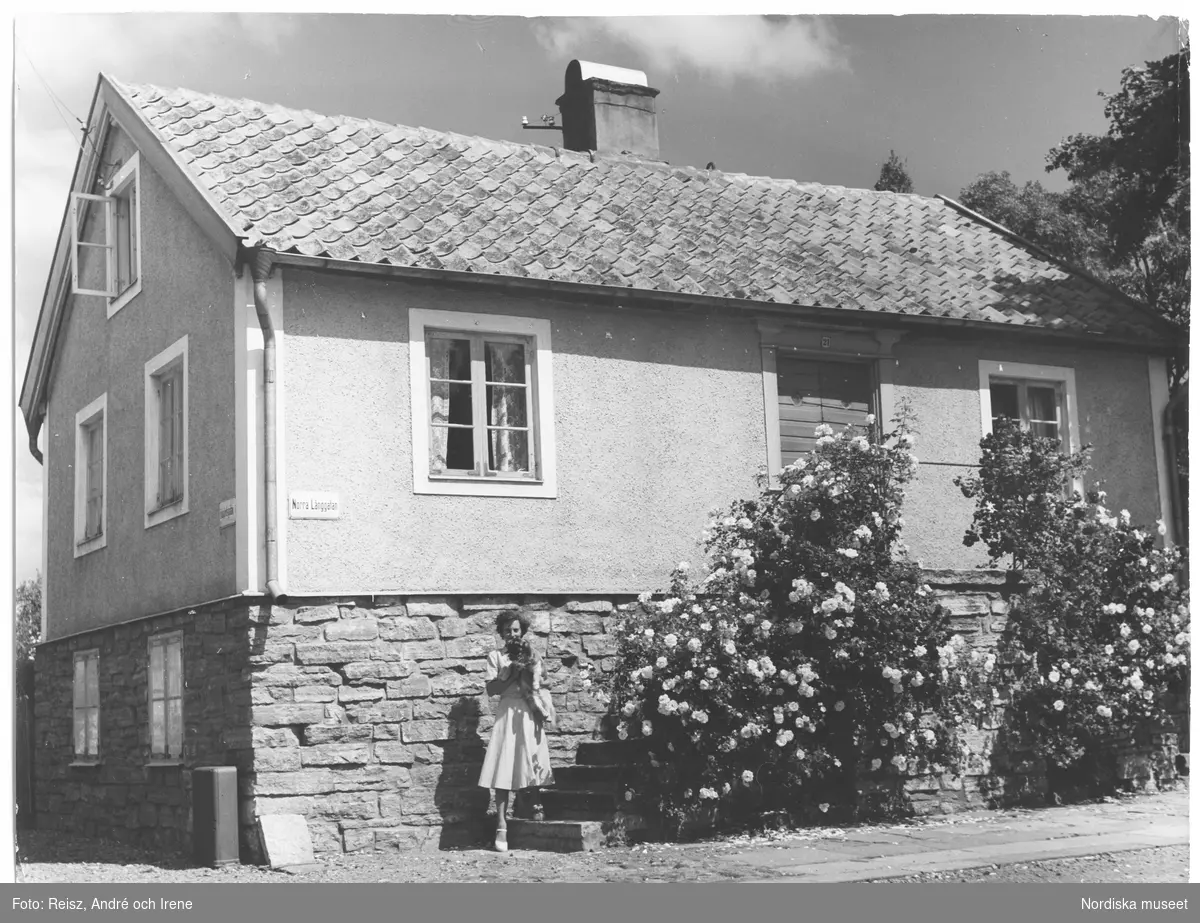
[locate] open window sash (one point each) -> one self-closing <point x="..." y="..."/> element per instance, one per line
<point x="79" y="209"/>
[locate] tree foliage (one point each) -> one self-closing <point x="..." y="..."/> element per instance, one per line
<point x="1126" y="215"/>
<point x="28" y="617"/>
<point x="893" y="177"/>
<point x="1135" y="179"/>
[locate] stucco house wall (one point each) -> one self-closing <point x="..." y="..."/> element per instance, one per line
<point x="658" y="418"/>
<point x="939" y="376"/>
<point x="187" y="289"/>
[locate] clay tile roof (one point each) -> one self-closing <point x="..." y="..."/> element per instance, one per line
<point x="379" y="193"/>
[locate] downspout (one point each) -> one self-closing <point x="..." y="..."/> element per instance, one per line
<point x="261" y="271"/>
<point x="1170" y="436"/>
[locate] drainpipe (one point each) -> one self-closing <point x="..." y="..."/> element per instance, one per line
<point x="1171" y="437"/>
<point x="261" y="270"/>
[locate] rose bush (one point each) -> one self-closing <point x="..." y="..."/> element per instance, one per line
<point x="1101" y="639"/>
<point x="806" y="659"/>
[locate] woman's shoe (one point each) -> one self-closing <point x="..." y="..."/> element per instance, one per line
<point x="501" y="844"/>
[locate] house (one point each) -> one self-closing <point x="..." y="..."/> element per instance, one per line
<point x="316" y="397"/>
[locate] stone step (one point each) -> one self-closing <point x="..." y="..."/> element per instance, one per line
<point x="555" y="835"/>
<point x="610" y="752"/>
<point x="592" y="777"/>
<point x="560" y="804"/>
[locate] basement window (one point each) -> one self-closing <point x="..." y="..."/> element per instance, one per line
<point x="87" y="705"/>
<point x="106" y="239"/>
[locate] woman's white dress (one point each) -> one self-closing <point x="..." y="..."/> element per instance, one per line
<point x="518" y="755"/>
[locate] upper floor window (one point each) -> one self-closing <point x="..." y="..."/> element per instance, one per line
<point x="481" y="395"/>
<point x="91" y="476"/>
<point x="106" y="239"/>
<point x="815" y="391"/>
<point x="166" y="467"/>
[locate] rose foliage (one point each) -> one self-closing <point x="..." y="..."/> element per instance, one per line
<point x="1100" y="641"/>
<point x="806" y="662"/>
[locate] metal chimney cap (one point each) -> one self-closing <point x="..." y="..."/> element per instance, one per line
<point x="578" y="71"/>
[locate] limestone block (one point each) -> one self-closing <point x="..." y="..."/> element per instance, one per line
<point x="407" y="629"/>
<point x="424" y="650"/>
<point x="360" y="629"/>
<point x="434" y="607"/>
<point x="336" y="754"/>
<point x="576" y="623"/>
<point x="309" y="614"/>
<point x="368" y="670"/>
<point x="393" y="752"/>
<point x="589" y="605"/>
<point x="281" y="715"/>
<point x="285" y="840"/>
<point x="414" y="686"/>
<point x="336" y="734"/>
<point x="420" y="731"/>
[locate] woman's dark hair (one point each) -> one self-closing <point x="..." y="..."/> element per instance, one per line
<point x="504" y="619"/>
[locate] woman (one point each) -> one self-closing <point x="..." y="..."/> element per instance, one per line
<point x="518" y="755"/>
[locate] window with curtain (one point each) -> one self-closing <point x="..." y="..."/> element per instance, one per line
<point x="87" y="705"/>
<point x="481" y="405"/>
<point x="1036" y="405"/>
<point x="816" y="391"/>
<point x="166" y="696"/>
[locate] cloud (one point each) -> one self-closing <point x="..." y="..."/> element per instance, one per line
<point x="728" y="47"/>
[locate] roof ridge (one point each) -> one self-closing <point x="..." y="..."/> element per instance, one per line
<point x="553" y="152"/>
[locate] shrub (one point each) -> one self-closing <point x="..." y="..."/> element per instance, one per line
<point x="806" y="663"/>
<point x="1100" y="641"/>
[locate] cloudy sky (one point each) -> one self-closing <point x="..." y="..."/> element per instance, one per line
<point x="820" y="100"/>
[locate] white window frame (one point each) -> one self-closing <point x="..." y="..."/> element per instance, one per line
<point x="171" y="644"/>
<point x="543" y="484"/>
<point x="94" y="414"/>
<point x="126" y="181"/>
<point x="171" y="359"/>
<point x="1062" y="376"/>
<point x="82" y="704"/>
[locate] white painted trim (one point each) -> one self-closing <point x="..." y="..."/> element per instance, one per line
<point x="543" y="391"/>
<point x="129" y="173"/>
<point x="275" y="308"/>
<point x="771" y="412"/>
<point x="249" y="540"/>
<point x="1160" y="394"/>
<point x="1054" y="373"/>
<point x="1050" y="373"/>
<point x="175" y="354"/>
<point x="97" y="408"/>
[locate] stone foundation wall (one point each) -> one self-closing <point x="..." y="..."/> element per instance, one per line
<point x="122" y="796"/>
<point x="369" y="715"/>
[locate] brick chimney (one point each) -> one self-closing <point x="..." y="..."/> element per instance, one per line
<point x="608" y="109"/>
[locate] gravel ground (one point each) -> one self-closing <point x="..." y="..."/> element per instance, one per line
<point x="1166" y="863"/>
<point x="45" y="856"/>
